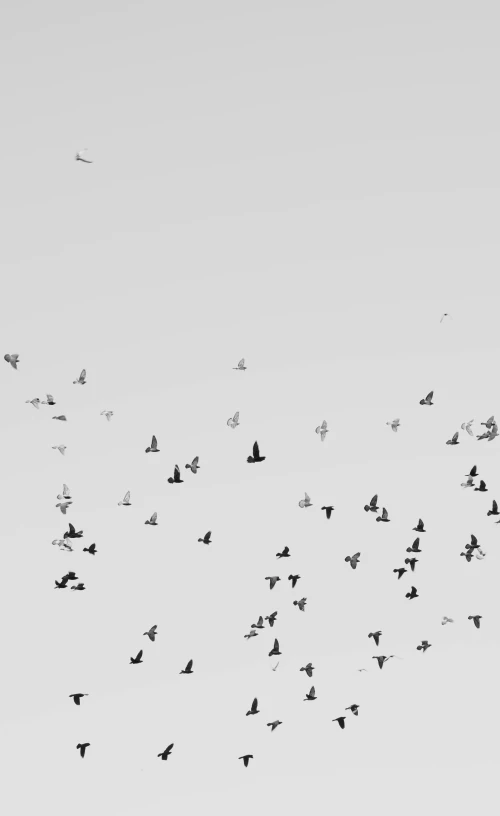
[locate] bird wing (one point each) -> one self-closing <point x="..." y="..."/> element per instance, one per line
<point x="82" y="375"/>
<point x="256" y="452"/>
<point x="195" y="461"/>
<point x="455" y="436"/>
<point x="430" y="396"/>
<point x="154" y="442"/>
<point x="384" y="513"/>
<point x="154" y="517"/>
<point x="254" y="704"/>
<point x="139" y="655"/>
<point x="374" y="500"/>
<point x="177" y="472"/>
<point x="236" y="416"/>
<point x="126" y="497"/>
<point x="241" y="362"/>
<point x="312" y="693"/>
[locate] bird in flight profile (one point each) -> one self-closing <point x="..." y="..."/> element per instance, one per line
<point x="81" y="379"/>
<point x="63" y="506"/>
<point x="71" y="533"/>
<point x="234" y="421"/>
<point x="482" y="487"/>
<point x="328" y="509"/>
<point x="271" y="619"/>
<point x="137" y="658"/>
<point x="188" y="669"/>
<point x="420" y="527"/>
<point x="274" y="724"/>
<point x="443" y="316"/>
<point x="411" y="562"/>
<point x="428" y="399"/>
<point x="340" y="720"/>
<point x="82" y="746"/>
<point x="394" y="424"/>
<point x="152" y="520"/>
<point x="375" y="636"/>
<point x="372" y="507"/>
<point x="301" y="604"/>
<point x="322" y="430"/>
<point x="241" y="365"/>
<point x="34" y="402"/>
<point x="49" y="401"/>
<point x="13" y="359"/>
<point x="412" y="594"/>
<point x="424" y="646"/>
<point x="166" y="753"/>
<point x="354" y="708"/>
<point x="308" y="668"/>
<point x="353" y="559"/>
<point x="61" y="417"/>
<point x="256" y="455"/>
<point x="273" y="579"/>
<point x="65" y="494"/>
<point x="305" y="502"/>
<point x="293" y="579"/>
<point x="79" y="156"/>
<point x="194" y="466"/>
<point x="254" y="708"/>
<point x="494" y="509"/>
<point x="489" y="422"/>
<point x="176" y="479"/>
<point x="91" y="550"/>
<point x="79" y="587"/>
<point x="466" y="426"/>
<point x="245" y="759"/>
<point x="153" y="448"/>
<point x="400" y="571"/>
<point x="273" y="668"/>
<point x="381" y="659"/>
<point x="285" y="553"/>
<point x="276" y="649"/>
<point x="476" y="619"/>
<point x="151" y="633"/>
<point x="311" y="695"/>
<point x="384" y="516"/>
<point x="446" y="620"/>
<point x="206" y="538"/>
<point x="414" y="547"/>
<point x="60" y="448"/>
<point x="77" y="698"/>
<point x="453" y="440"/>
<point x="107" y="414"/>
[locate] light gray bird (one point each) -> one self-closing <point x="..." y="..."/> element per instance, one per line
<point x="468" y="483"/>
<point x="65" y="493"/>
<point x="60" y="448"/>
<point x="305" y="502"/>
<point x="466" y="426"/>
<point x="153" y="448"/>
<point x="446" y="620"/>
<point x="63" y="506"/>
<point x="194" y="466"/>
<point x="13" y="359"/>
<point x="152" y="520"/>
<point x="493" y="432"/>
<point x="81" y="379"/>
<point x="443" y="317"/>
<point x="394" y="424"/>
<point x="322" y="430"/>
<point x="151" y="633"/>
<point x="353" y="559"/>
<point x="79" y="156"/>
<point x="61" y="417"/>
<point x="489" y="422"/>
<point x="234" y="422"/>
<point x="49" y="401"/>
<point x="251" y="634"/>
<point x="63" y="544"/>
<point x="34" y="402"/>
<point x="273" y="668"/>
<point x="241" y="365"/>
<point x="107" y="414"/>
<point x="126" y="500"/>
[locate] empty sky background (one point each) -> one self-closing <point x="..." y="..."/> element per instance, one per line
<point x="309" y="185"/>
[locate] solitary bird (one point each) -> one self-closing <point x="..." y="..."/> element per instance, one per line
<point x="271" y="619"/>
<point x="245" y="759"/>
<point x="328" y="510"/>
<point x="353" y="559"/>
<point x="476" y="619"/>
<point x="253" y="709"/>
<point x="188" y="669"/>
<point x="494" y="509"/>
<point x="293" y="579"/>
<point x="63" y="506"/>
<point x="151" y="633"/>
<point x="177" y="476"/>
<point x="79" y="156"/>
<point x="384" y="516"/>
<point x="308" y="668"/>
<point x="428" y="399"/>
<point x="311" y="695"/>
<point x="13" y="359"/>
<point x="424" y="646"/>
<point x="394" y="424"/>
<point x="400" y="571"/>
<point x="276" y="649"/>
<point x="206" y="538"/>
<point x="420" y="527"/>
<point x="81" y="379"/>
<point x="454" y="439"/>
<point x="322" y="430"/>
<point x="340" y="720"/>
<point x="152" y="520"/>
<point x="412" y="594"/>
<point x="446" y="620"/>
<point x="137" y="658"/>
<point x="482" y="487"/>
<point x="107" y="414"/>
<point x="166" y="753"/>
<point x="234" y="421"/>
<point x="381" y="659"/>
<point x="285" y="553"/>
<point x="274" y="724"/>
<point x="91" y="550"/>
<point x="273" y="579"/>
<point x="305" y="502"/>
<point x="256" y="455"/>
<point x="411" y="562"/>
<point x="466" y="426"/>
<point x="443" y="317"/>
<point x="49" y="401"/>
<point x="301" y="604"/>
<point x="60" y="448"/>
<point x="126" y="500"/>
<point x="77" y="698"/>
<point x="194" y="466"/>
<point x="354" y="708"/>
<point x="375" y="636"/>
<point x="34" y="402"/>
<point x="372" y="507"/>
<point x="414" y="547"/>
<point x="153" y="448"/>
<point x="82" y="746"/>
<point x="241" y="365"/>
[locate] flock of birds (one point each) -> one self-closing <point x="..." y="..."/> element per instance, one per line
<point x="472" y="549"/>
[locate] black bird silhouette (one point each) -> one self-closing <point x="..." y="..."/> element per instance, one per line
<point x="414" y="547"/>
<point x="494" y="509"/>
<point x="137" y="659"/>
<point x="256" y="455"/>
<point x="254" y="709"/>
<point x="206" y="538"/>
<point x="80" y="587"/>
<point x="411" y="562"/>
<point x="72" y="533"/>
<point x="274" y="724"/>
<point x="482" y="487"/>
<point x="293" y="579"/>
<point x="245" y="759"/>
<point x="153" y="520"/>
<point x="372" y="507"/>
<point x="259" y="624"/>
<point x="454" y="439"/>
<point x="412" y="594"/>
<point x="353" y="708"/>
<point x="489" y="422"/>
<point x="428" y="399"/>
<point x="92" y="550"/>
<point x="273" y="579"/>
<point x="424" y="646"/>
<point x="420" y="527"/>
<point x="285" y="553"/>
<point x="271" y="618"/>
<point x="384" y="516"/>
<point x="340" y="720"/>
<point x="400" y="571"/>
<point x="469" y="555"/>
<point x="476" y="619"/>
<point x="301" y="604"/>
<point x="83" y="747"/>
<point x="353" y="559"/>
<point x="473" y="543"/>
<point x="77" y="698"/>
<point x="153" y="448"/>
<point x="473" y="472"/>
<point x="194" y="466"/>
<point x="276" y="649"/>
<point x="62" y="584"/>
<point x="328" y="508"/>
<point x="166" y="753"/>
<point x="311" y="695"/>
<point x="177" y="476"/>
<point x="188" y="669"/>
<point x="308" y="668"/>
<point x="381" y="659"/>
<point x="375" y="636"/>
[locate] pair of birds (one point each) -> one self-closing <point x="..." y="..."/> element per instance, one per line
<point x="176" y="478"/>
<point x="373" y="508"/>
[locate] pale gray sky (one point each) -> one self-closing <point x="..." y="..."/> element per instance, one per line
<point x="310" y="186"/>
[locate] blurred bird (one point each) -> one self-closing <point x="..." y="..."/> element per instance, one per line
<point x="253" y="709"/>
<point x="137" y="658"/>
<point x="81" y="379"/>
<point x="400" y="571"/>
<point x="489" y="422"/>
<point x="305" y="502"/>
<point x="65" y="494"/>
<point x="353" y="559"/>
<point x="251" y="634"/>
<point x="70" y="576"/>
<point x="234" y="422"/>
<point x="293" y="579"/>
<point x="153" y="448"/>
<point x="485" y="435"/>
<point x="328" y="509"/>
<point x="13" y="359"/>
<point x="91" y="550"/>
<point x="375" y="636"/>
<point x="188" y="669"/>
<point x="322" y="430"/>
<point x="194" y="466"/>
<point x="454" y="439"/>
<point x="412" y="594"/>
<point x="311" y="695"/>
<point x="424" y="646"/>
<point x="271" y="619"/>
<point x="480" y="554"/>
<point x="151" y="633"/>
<point x="340" y="720"/>
<point x="384" y="516"/>
<point x="466" y="426"/>
<point x="61" y="418"/>
<point x="62" y="544"/>
<point x="494" y="509"/>
<point x="274" y="724"/>
<point x="414" y="547"/>
<point x="62" y="584"/>
<point x="256" y="455"/>
<point x="83" y="747"/>
<point x="107" y="414"/>
<point x="273" y="668"/>
<point x="308" y="668"/>
<point x="394" y="424"/>
<point x="34" y="402"/>
<point x="77" y="698"/>
<point x="446" y="620"/>
<point x="245" y="759"/>
<point x="79" y="587"/>
<point x="468" y="555"/>
<point x="482" y="487"/>
<point x="493" y="433"/>
<point x="285" y="553"/>
<point x="177" y="476"/>
<point x="428" y="399"/>
<point x="420" y="527"/>
<point x="411" y="562"/>
<point x="241" y="365"/>
<point x="468" y="483"/>
<point x="476" y="619"/>
<point x="443" y="317"/>
<point x="354" y="708"/>
<point x="63" y="506"/>
<point x="152" y="520"/>
<point x="301" y="604"/>
<point x="166" y="753"/>
<point x="60" y="448"/>
<point x="206" y="538"/>
<point x="272" y="580"/>
<point x="49" y="401"/>
<point x="372" y="507"/>
<point x="79" y="156"/>
<point x="275" y="651"/>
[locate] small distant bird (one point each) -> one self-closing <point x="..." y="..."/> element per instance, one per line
<point x="354" y="708"/>
<point x="137" y="658"/>
<point x="428" y="399"/>
<point x="256" y="455"/>
<point x="79" y="156"/>
<point x="414" y="547"/>
<point x="443" y="317"/>
<point x="482" y="487"/>
<point x="424" y="646"/>
<point x="308" y="668"/>
<point x="276" y="649"/>
<point x="107" y="414"/>
<point x="353" y="559"/>
<point x="259" y="624"/>
<point x="469" y="482"/>
<point x="412" y="594"/>
<point x="411" y="562"/>
<point x="274" y="724"/>
<point x="152" y="520"/>
<point x="293" y="579"/>
<point x="384" y="516"/>
<point x="285" y="553"/>
<point x="375" y="636"/>
<point x="91" y="550"/>
<point x="206" y="538"/>
<point x="83" y="747"/>
<point x="301" y="604"/>
<point x="394" y="424"/>
<point x="373" y="505"/>
<point x="328" y="509"/>
<point x="246" y="758"/>
<point x="420" y="527"/>
<point x="466" y="426"/>
<point x="65" y="494"/>
<point x="151" y="633"/>
<point x="77" y="698"/>
<point x="273" y="579"/>
<point x="61" y="417"/>
<point x="166" y="753"/>
<point x="400" y="572"/>
<point x="234" y="422"/>
<point x="489" y="422"/>
<point x="72" y="533"/>
<point x="493" y="433"/>
<point x="188" y="669"/>
<point x="251" y="634"/>
<point x="153" y="448"/>
<point x="241" y="365"/>
<point x="34" y="402"/>
<point x="81" y="379"/>
<point x="494" y="509"/>
<point x="340" y="720"/>
<point x="177" y="476"/>
<point x="13" y="359"/>
<point x="80" y="587"/>
<point x="49" y="401"/>
<point x="60" y="448"/>
<point x="381" y="659"/>
<point x="253" y="709"/>
<point x="273" y="668"/>
<point x="271" y="619"/>
<point x="322" y="430"/>
<point x="62" y="584"/>
<point x="305" y="502"/>
<point x="63" y="506"/>
<point x="454" y="439"/>
<point x="311" y="695"/>
<point x="476" y="619"/>
<point x="485" y="435"/>
<point x="446" y="620"/>
<point x="194" y="466"/>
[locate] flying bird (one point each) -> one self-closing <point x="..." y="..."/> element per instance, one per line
<point x="372" y="507"/>
<point x="234" y="422"/>
<point x="414" y="547"/>
<point x="251" y="634"/>
<point x="49" y="401"/>
<point x="65" y="494"/>
<point x="274" y="724"/>
<point x="206" y="538"/>
<point x="72" y="533"/>
<point x="424" y="646"/>
<point x="34" y="402"/>
<point x="153" y="448"/>
<point x="61" y="418"/>
<point x="476" y="619"/>
<point x="428" y="399"/>
<point x="340" y="720"/>
<point x="420" y="527"/>
<point x="63" y="506"/>
<point x="151" y="633"/>
<point x="77" y="698"/>
<point x="81" y="379"/>
<point x="276" y="649"/>
<point x="241" y="365"/>
<point x="446" y="620"/>
<point x="256" y="455"/>
<point x="91" y="550"/>
<point x="353" y="559"/>
<point x="443" y="317"/>
<point x="188" y="669"/>
<point x="328" y="509"/>
<point x="469" y="482"/>
<point x="166" y="753"/>
<point x="311" y="695"/>
<point x="62" y="584"/>
<point x="384" y="516"/>
<point x="177" y="476"/>
<point x="273" y="579"/>
<point x="194" y="466"/>
<point x="322" y="430"/>
<point x="454" y="439"/>
<point x="152" y="520"/>
<point x="107" y="414"/>
<point x="83" y="747"/>
<point x="60" y="448"/>
<point x="354" y="708"/>
<point x="305" y="502"/>
<point x="301" y="604"/>
<point x="79" y="587"/>
<point x="271" y="619"/>
<point x="381" y="659"/>
<point x="13" y="359"/>
<point x="285" y="553"/>
<point x="473" y="472"/>
<point x="137" y="658"/>
<point x="482" y="487"/>
<point x="412" y="594"/>
<point x="494" y="509"/>
<point x="273" y="668"/>
<point x="245" y="759"/>
<point x="293" y="579"/>
<point x="466" y="426"/>
<point x="253" y="708"/>
<point x="259" y="624"/>
<point x="79" y="156"/>
<point x="375" y="636"/>
<point x="394" y="424"/>
<point x="308" y="668"/>
<point x="489" y="422"/>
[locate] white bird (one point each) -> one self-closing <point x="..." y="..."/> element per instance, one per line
<point x="493" y="432"/>
<point x="13" y="359"/>
<point x="63" y="506"/>
<point x="394" y="424"/>
<point x="79" y="156"/>
<point x="34" y="402"/>
<point x="126" y="499"/>
<point x="60" y="448"/>
<point x="81" y="379"/>
<point x="446" y="620"/>
<point x="241" y="365"/>
<point x="305" y="502"/>
<point x="234" y="422"/>
<point x="65" y="493"/>
<point x="466" y="426"/>
<point x="322" y="430"/>
<point x="49" y="401"/>
<point x="480" y="554"/>
<point x="63" y="544"/>
<point x="107" y="414"/>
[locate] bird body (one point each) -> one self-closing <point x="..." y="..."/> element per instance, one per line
<point x="271" y="618"/>
<point x="241" y="365"/>
<point x="126" y="500"/>
<point x="246" y="758"/>
<point x="394" y="424"/>
<point x="13" y="359"/>
<point x="254" y="708"/>
<point x="79" y="156"/>
<point x="384" y="516"/>
<point x="454" y="439"/>
<point x="137" y="659"/>
<point x="91" y="550"/>
<point x="194" y="466"/>
<point x="151" y="633"/>
<point x="166" y="753"/>
<point x="274" y="724"/>
<point x="412" y="594"/>
<point x="308" y="668"/>
<point x="77" y="698"/>
<point x="375" y="636"/>
<point x="153" y="520"/>
<point x="476" y="619"/>
<point x="341" y="721"/>
<point x="107" y="414"/>
<point x="273" y="579"/>
<point x="285" y="553"/>
<point x="424" y="646"/>
<point x="188" y="669"/>
<point x="353" y="559"/>
<point x="328" y="509"/>
<point x="82" y="746"/>
<point x="206" y="538"/>
<point x="60" y="448"/>
<point x="301" y="604"/>
<point x="311" y="695"/>
<point x="276" y="649"/>
<point x="34" y="402"/>
<point x="372" y="507"/>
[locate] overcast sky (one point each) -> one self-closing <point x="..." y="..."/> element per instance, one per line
<point x="308" y="185"/>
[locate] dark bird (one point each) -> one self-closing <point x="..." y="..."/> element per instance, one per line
<point x="375" y="636"/>
<point x="353" y="559"/>
<point x="72" y="533"/>
<point x="70" y="576"/>
<point x="92" y="550"/>
<point x="381" y="659"/>
<point x="454" y="439"/>
<point x="424" y="646"/>
<point x="420" y="527"/>
<point x="153" y="448"/>
<point x="177" y="476"/>
<point x="206" y="538"/>
<point x="494" y="509"/>
<point x="80" y="587"/>
<point x="414" y="547"/>
<point x="81" y="379"/>
<point x="166" y="753"/>
<point x="137" y="659"/>
<point x="340" y="720"/>
<point x="311" y="695"/>
<point x="328" y="508"/>
<point x="293" y="579"/>
<point x="274" y="724"/>
<point x="308" y="668"/>
<point x="384" y="516"/>
<point x="473" y="543"/>
<point x="301" y="604"/>
<point x="354" y="708"/>
<point x="411" y="562"/>
<point x="482" y="487"/>
<point x="276" y="649"/>
<point x="246" y="757"/>
<point x="13" y="359"/>
<point x="272" y="580"/>
<point x="151" y="633"/>
<point x="412" y="594"/>
<point x="251" y="634"/>
<point x="188" y="669"/>
<point x="473" y="472"/>
<point x="476" y="619"/>
<point x="256" y="455"/>
<point x="152" y="520"/>
<point x="372" y="507"/>
<point x="428" y="399"/>
<point x="194" y="466"/>
<point x="253" y="709"/>
<point x="259" y="624"/>
<point x="400" y="571"/>
<point x="285" y="553"/>
<point x="77" y="698"/>
<point x="79" y="156"/>
<point x="62" y="584"/>
<point x="61" y="417"/>
<point x="271" y="618"/>
<point x="83" y="747"/>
